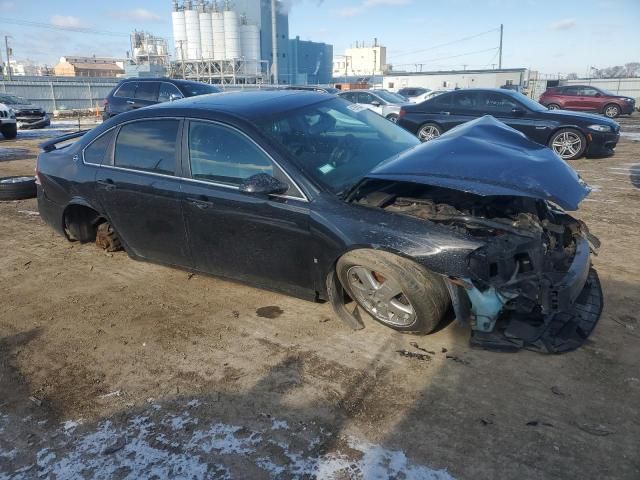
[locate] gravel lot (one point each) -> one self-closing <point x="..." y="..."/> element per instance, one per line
<point x="111" y="368"/>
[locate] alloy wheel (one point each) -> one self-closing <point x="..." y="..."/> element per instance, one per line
<point x="612" y="111"/>
<point x="381" y="297"/>
<point x="428" y="132"/>
<point x="567" y="144"/>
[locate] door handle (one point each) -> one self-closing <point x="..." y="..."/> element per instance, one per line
<point x="201" y="204"/>
<point x="108" y="184"/>
<point x="131" y="102"/>
<point x="444" y="113"/>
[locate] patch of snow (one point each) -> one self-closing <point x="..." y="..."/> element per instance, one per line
<point x="279" y="425"/>
<point x="635" y="136"/>
<point x="70" y="425"/>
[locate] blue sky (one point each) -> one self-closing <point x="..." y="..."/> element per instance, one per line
<point x="550" y="36"/>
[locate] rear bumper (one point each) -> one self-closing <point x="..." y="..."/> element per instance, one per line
<point x="602" y="144"/>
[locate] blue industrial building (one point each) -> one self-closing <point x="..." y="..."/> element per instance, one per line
<point x="310" y="62"/>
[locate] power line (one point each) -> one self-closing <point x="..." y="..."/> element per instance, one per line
<point x="448" y="57"/>
<point x="448" y="43"/>
<point x="28" y="23"/>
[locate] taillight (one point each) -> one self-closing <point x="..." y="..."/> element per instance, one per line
<point x="403" y="112"/>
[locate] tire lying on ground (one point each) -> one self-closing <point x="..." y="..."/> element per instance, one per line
<point x="395" y="291"/>
<point x="17" y="188"/>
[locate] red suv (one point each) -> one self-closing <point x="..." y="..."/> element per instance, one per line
<point x="587" y="99"/>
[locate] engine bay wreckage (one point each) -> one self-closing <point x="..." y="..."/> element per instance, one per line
<point x="517" y="266"/>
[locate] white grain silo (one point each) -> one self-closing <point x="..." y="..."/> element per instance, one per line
<point x="250" y="45"/>
<point x="179" y="32"/>
<point x="217" y="24"/>
<point x="231" y="35"/>
<point x="206" y="33"/>
<point x="192" y="19"/>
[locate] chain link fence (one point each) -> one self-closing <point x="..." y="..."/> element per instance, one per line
<point x="56" y="94"/>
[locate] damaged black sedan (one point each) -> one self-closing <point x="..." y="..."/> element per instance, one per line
<point x="310" y="195"/>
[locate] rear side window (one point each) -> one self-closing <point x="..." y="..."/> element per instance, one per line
<point x="167" y="90"/>
<point x="148" y="91"/>
<point x="443" y="100"/>
<point x="223" y="155"/>
<point x="97" y="150"/>
<point x="148" y="145"/>
<point x="466" y="100"/>
<point x="126" y="90"/>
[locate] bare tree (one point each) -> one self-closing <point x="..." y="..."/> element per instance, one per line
<point x="631" y="69"/>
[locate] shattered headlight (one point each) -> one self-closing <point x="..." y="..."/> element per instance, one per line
<point x="599" y="128"/>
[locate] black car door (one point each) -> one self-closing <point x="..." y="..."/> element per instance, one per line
<point x="139" y="189"/>
<point x="146" y="94"/>
<point x="263" y="240"/>
<point x="123" y="99"/>
<point x="438" y="110"/>
<point x="516" y="115"/>
<point x="465" y="106"/>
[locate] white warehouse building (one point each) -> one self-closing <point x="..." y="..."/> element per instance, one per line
<point x="438" y="80"/>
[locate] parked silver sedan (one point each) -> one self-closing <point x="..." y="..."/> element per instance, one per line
<point x="382" y="102"/>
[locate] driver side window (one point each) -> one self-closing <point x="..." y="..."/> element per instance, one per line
<point x="223" y="155"/>
<point x="167" y="90"/>
<point x="365" y="98"/>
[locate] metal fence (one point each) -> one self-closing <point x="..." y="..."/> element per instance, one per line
<point x="629" y="87"/>
<point x="61" y="94"/>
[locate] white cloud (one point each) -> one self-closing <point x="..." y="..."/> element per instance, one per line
<point x="66" y="21"/>
<point x="564" y="24"/>
<point x="367" y="4"/>
<point x="137" y="15"/>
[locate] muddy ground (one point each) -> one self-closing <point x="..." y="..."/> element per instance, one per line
<point x="111" y="368"/>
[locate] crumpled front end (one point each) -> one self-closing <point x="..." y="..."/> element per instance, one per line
<point x="530" y="284"/>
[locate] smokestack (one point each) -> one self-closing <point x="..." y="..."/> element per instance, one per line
<point x="274" y="41"/>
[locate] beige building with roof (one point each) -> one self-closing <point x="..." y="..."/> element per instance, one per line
<point x="89" y="67"/>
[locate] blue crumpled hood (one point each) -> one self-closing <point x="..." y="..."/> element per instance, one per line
<point x="486" y="157"/>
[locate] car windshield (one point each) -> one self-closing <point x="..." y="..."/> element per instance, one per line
<point x="337" y="143"/>
<point x="527" y="102"/>
<point x="13" y="100"/>
<point x="390" y="97"/>
<point x="195" y="89"/>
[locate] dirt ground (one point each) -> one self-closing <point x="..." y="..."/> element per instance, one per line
<point x="112" y="368"/>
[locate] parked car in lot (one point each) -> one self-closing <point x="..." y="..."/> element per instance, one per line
<point x="570" y="134"/>
<point x="8" y="126"/>
<point x="313" y="88"/>
<point x="27" y="114"/>
<point x="382" y="102"/>
<point x="585" y="98"/>
<point x="414" y="94"/>
<point x="135" y="93"/>
<point x="305" y="193"/>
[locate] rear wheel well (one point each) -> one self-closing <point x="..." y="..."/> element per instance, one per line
<point x="81" y="223"/>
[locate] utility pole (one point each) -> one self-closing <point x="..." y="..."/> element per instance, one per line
<point x="8" y="50"/>
<point x="500" y="55"/>
<point x="274" y="41"/>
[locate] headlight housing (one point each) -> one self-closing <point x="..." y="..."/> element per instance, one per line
<point x="12" y="113"/>
<point x="599" y="128"/>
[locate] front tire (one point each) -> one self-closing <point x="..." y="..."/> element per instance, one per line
<point x="393" y="118"/>
<point x="553" y="106"/>
<point x="429" y="131"/>
<point x="568" y="143"/>
<point x="10" y="131"/>
<point x="612" y="110"/>
<point x="395" y="291"/>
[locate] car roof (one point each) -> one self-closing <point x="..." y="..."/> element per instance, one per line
<point x="163" y="79"/>
<point x="247" y="104"/>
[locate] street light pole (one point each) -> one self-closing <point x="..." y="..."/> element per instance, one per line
<point x="500" y="56"/>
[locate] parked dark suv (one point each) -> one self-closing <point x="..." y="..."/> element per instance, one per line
<point x="569" y="134"/>
<point x="136" y="93"/>
<point x="585" y="98"/>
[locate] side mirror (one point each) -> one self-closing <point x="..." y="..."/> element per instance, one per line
<point x="598" y="95"/>
<point x="173" y="97"/>
<point x="376" y="103"/>
<point x="518" y="111"/>
<point x="263" y="184"/>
